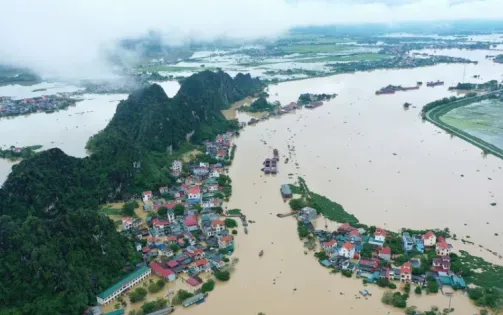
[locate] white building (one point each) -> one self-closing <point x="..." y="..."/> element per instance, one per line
<point x="347" y="250"/>
<point x="125" y="283"/>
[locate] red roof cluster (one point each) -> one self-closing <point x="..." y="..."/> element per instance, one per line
<point x="348" y="246"/>
<point x="201" y="262"/>
<point x="406" y="268"/>
<point x="330" y="243"/>
<point x="380" y="232"/>
<point x="191" y="220"/>
<point x="157" y="222"/>
<point x="428" y="235"/>
<point x="217" y="222"/>
<point x="226" y="238"/>
<point x="194" y="190"/>
<point x="385" y="251"/>
<point x="160" y="270"/>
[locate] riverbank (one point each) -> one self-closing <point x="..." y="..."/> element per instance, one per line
<point x="434" y="116"/>
<point x="18" y="153"/>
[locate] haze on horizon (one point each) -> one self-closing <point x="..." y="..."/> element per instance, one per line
<point x="71" y="39"/>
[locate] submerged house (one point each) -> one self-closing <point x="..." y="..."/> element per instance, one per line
<point x="286" y="191"/>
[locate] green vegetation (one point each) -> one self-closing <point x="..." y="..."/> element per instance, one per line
<point x="302" y="229"/>
<point x="128" y="208"/>
<point x="138" y="294"/>
<point x="13" y="154"/>
<point x="259" y="105"/>
<point x="181" y="296"/>
<point x="346" y="58"/>
<point x="222" y="275"/>
<point x="307" y="98"/>
<point x="234" y="212"/>
<point x="330" y="210"/>
<point x="314" y="49"/>
<point x="208" y="286"/>
<point x="418" y="290"/>
<point x="347" y="273"/>
<point x="230" y="223"/>
<point x="396" y="299"/>
<point x="150" y="307"/>
<point x="297" y="204"/>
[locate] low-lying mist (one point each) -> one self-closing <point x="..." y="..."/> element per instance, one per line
<point x="75" y="39"/>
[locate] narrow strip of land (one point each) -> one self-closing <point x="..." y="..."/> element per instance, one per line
<point x="434" y="115"/>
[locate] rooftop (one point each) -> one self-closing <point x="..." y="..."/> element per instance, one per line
<point x="130" y="277"/>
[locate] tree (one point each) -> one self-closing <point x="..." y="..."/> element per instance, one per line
<point x="234" y="232"/>
<point x="432" y="286"/>
<point x="179" y="210"/>
<point x="218" y="210"/>
<point x="137" y="295"/>
<point x="297" y="204"/>
<point x="399" y="300"/>
<point x="383" y="282"/>
<point x="418" y="290"/>
<point x="302" y="229"/>
<point x="222" y="275"/>
<point x="174" y="247"/>
<point x="387" y="298"/>
<point x="154" y="288"/>
<point x="181" y="296"/>
<point x="406" y="288"/>
<point x="128" y="209"/>
<point x="208" y="286"/>
<point x="347" y="273"/>
<point x="321" y="255"/>
<point x="162" y="211"/>
<point x="161" y="283"/>
<point x="230" y="223"/>
<point x="366" y="251"/>
<point x="391" y="285"/>
<point x="411" y="310"/>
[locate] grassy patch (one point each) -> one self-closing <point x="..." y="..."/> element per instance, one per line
<point x="109" y="210"/>
<point x="328" y="208"/>
<point x="490" y="275"/>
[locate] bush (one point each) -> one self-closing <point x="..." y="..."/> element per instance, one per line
<point x="179" y="209"/>
<point x="208" y="286"/>
<point x="411" y="310"/>
<point x="181" y="296"/>
<point x="234" y="232"/>
<point x="153" y="306"/>
<point x="128" y="208"/>
<point x="432" y="286"/>
<point x="391" y="285"/>
<point x="347" y="273"/>
<point x="137" y="295"/>
<point x="321" y="255"/>
<point x="387" y="298"/>
<point x="230" y="223"/>
<point x="302" y="229"/>
<point x="222" y="275"/>
<point x="383" y="282"/>
<point x="225" y="259"/>
<point x="399" y="300"/>
<point x="418" y="290"/>
<point x="297" y="204"/>
<point x="406" y="288"/>
<point x="162" y="211"/>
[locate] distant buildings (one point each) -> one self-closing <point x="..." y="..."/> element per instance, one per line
<point x="125" y="283"/>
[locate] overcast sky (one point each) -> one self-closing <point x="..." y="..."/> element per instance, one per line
<point x="68" y="37"/>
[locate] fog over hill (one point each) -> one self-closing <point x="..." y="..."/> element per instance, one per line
<point x="72" y="39"/>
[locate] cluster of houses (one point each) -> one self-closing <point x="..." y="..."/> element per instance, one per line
<point x="189" y="236"/>
<point x="343" y="250"/>
<point x="10" y="106"/>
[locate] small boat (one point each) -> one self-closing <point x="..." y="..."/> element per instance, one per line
<point x="275" y="154"/>
<point x="246" y="230"/>
<point x="261" y="253"/>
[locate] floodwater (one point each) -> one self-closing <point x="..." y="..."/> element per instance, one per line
<point x="382" y="163"/>
<point x="68" y="129"/>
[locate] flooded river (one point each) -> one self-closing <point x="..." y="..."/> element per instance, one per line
<point x="382" y="163"/>
<point x="68" y="129"/>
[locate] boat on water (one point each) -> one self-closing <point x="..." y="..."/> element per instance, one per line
<point x="274" y="167"/>
<point x="261" y="253"/>
<point x="314" y="104"/>
<point x="267" y="166"/>
<point x="275" y="154"/>
<point x="432" y="84"/>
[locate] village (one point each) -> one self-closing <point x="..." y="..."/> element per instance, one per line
<point x="389" y="259"/>
<point x="183" y="234"/>
<point x="46" y="103"/>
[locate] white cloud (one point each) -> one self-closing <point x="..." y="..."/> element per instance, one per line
<point x="68" y="38"/>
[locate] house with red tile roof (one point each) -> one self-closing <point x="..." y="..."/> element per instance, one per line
<point x="443" y="248"/>
<point x="194" y="195"/>
<point x="345" y="228"/>
<point x="429" y="239"/>
<point x="147" y="195"/>
<point x="165" y="273"/>
<point x="355" y="236"/>
<point x="221" y="154"/>
<point x="127" y="223"/>
<point x="385" y="253"/>
<point x="218" y="225"/>
<point x="380" y="235"/>
<point x="329" y="246"/>
<point x="164" y="190"/>
<point x="347" y="250"/>
<point x="202" y="265"/>
<point x="191" y="223"/>
<point x="226" y="241"/>
<point x="406" y="272"/>
<point x="441" y="264"/>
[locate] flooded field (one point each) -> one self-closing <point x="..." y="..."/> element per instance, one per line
<point x="483" y="120"/>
